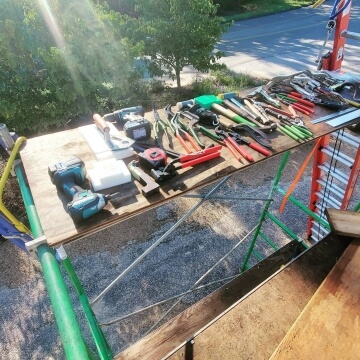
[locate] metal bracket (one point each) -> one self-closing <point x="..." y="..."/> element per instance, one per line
<point x="31" y="246"/>
<point x="15" y="163"/>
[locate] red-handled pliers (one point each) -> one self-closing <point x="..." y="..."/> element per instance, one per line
<point x="232" y="145"/>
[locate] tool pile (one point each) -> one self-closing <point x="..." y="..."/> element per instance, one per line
<point x="204" y="125"/>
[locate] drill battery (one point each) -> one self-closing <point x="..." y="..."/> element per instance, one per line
<point x="73" y="165"/>
<point x="137" y="128"/>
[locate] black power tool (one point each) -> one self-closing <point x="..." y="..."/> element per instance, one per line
<point x="69" y="175"/>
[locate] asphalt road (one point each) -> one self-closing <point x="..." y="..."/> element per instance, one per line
<point x="283" y="43"/>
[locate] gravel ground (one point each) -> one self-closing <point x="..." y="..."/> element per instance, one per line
<point x="28" y="329"/>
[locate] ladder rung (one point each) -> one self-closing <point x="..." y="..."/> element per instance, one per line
<point x="317" y="237"/>
<point x="319" y="227"/>
<point x="330" y="186"/>
<point x="326" y="196"/>
<point x="320" y="207"/>
<point x="337" y="155"/>
<point x="350" y="35"/>
<point x="328" y="200"/>
<point x="318" y="232"/>
<point x="336" y="173"/>
<point x="348" y="138"/>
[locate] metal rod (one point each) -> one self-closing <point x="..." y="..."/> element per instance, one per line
<point x="156" y="243"/>
<point x="224" y="197"/>
<point x="342" y="120"/>
<point x="203" y="277"/>
<point x="166" y="300"/>
<point x="331" y="116"/>
<point x="305" y="209"/>
<point x="350" y="35"/>
<point x="283" y="226"/>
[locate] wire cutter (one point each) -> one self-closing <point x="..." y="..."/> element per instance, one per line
<point x="187" y="160"/>
<point x="241" y="140"/>
<point x="232" y="145"/>
<point x="255" y="133"/>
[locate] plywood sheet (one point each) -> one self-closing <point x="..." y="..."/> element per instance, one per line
<point x="58" y="227"/>
<point x="328" y="328"/>
<point x="344" y="222"/>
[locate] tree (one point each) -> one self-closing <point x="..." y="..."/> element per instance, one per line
<point x="59" y="59"/>
<point x="177" y="33"/>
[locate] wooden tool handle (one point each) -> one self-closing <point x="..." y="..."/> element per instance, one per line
<point x="223" y="111"/>
<point x="101" y="123"/>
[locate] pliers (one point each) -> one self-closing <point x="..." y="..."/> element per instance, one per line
<point x="287" y="125"/>
<point x="193" y="119"/>
<point x="256" y="134"/>
<point x="159" y="126"/>
<point x="181" y="134"/>
<point x="232" y="145"/>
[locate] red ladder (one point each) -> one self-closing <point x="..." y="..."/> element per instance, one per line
<point x="336" y="172"/>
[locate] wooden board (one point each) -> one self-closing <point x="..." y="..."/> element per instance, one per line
<point x="224" y="327"/>
<point x="328" y="328"/>
<point x="58" y="227"/>
<point x="344" y="222"/>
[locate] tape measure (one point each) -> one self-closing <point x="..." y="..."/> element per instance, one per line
<point x="152" y="158"/>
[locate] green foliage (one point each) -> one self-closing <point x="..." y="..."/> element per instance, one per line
<point x="225" y="80"/>
<point x="59" y="60"/>
<point x="176" y="33"/>
<point x="245" y="9"/>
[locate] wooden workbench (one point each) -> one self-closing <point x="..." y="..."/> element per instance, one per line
<point x="50" y="203"/>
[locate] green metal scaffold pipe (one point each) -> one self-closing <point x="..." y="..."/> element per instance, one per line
<point x="281" y="167"/>
<point x="72" y="340"/>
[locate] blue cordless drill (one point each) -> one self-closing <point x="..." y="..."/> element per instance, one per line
<point x="69" y="175"/>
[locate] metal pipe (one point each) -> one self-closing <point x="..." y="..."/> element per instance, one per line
<point x="350" y="35"/>
<point x="28" y="202"/>
<point x="72" y="340"/>
<point x="276" y="181"/>
<point x="69" y="330"/>
<point x="102" y="346"/>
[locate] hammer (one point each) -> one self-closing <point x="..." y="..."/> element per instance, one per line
<point x="235" y="103"/>
<point x="150" y="186"/>
<point x="213" y="102"/>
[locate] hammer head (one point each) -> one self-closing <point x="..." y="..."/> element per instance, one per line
<point x="228" y="95"/>
<point x="206" y="101"/>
